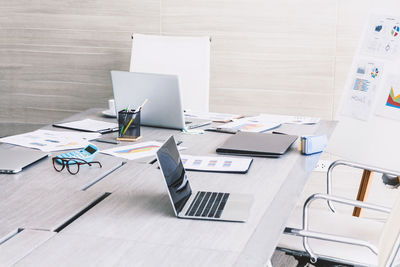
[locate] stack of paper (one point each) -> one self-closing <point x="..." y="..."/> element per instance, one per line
<point x="212" y="116"/>
<point x="247" y="125"/>
<point x="51" y="140"/>
<point x="286" y="119"/>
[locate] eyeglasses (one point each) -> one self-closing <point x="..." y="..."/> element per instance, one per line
<point x="72" y="164"/>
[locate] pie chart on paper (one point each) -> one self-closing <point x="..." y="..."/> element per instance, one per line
<point x="395" y="30"/>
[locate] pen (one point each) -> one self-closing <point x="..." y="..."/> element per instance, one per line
<point x="110" y="130"/>
<point x="124" y="123"/>
<point x="222" y="130"/>
<point x="107" y="141"/>
<point x="226" y="130"/>
<point x="141" y="106"/>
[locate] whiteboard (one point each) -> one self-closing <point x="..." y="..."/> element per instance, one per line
<point x="368" y="131"/>
<point x="187" y="57"/>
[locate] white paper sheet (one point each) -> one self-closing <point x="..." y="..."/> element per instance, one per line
<point x="361" y="91"/>
<point x="381" y="38"/>
<point x="212" y="116"/>
<point x="215" y="164"/>
<point x="47" y="141"/>
<point x="389" y="100"/>
<point x="136" y="151"/>
<point x="286" y="119"/>
<point x="249" y="125"/>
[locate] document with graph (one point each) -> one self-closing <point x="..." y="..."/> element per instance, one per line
<point x="372" y="85"/>
<point x="248" y="125"/>
<point x="48" y="141"/>
<point x="369" y="111"/>
<point x="216" y="164"/>
<point x="136" y="151"/>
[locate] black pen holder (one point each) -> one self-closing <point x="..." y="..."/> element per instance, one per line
<point x="128" y="125"/>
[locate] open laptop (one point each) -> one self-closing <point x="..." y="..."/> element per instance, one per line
<point x="164" y="106"/>
<point x="15" y="160"/>
<point x="219" y="206"/>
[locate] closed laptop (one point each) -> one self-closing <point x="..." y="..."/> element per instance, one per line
<point x="257" y="144"/>
<point x="15" y="160"/>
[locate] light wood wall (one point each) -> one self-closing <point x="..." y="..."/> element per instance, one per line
<point x="286" y="56"/>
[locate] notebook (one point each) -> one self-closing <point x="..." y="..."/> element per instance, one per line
<point x="257" y="144"/>
<point x="89" y="125"/>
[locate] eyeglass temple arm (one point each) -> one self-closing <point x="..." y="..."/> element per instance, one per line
<point x="96" y="162"/>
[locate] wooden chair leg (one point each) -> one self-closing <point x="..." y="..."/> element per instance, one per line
<point x="363" y="190"/>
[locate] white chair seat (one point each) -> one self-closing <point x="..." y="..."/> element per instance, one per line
<point x="335" y="224"/>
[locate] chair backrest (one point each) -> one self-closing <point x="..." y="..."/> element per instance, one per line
<point x="187" y="57"/>
<point x="390" y="237"/>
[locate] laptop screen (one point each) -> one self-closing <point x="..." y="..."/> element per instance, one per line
<point x="174" y="174"/>
<point x="163" y="92"/>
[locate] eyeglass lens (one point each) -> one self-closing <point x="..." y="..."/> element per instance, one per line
<point x="72" y="167"/>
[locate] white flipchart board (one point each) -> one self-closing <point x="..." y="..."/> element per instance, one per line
<point x="187" y="57"/>
<point x="368" y="131"/>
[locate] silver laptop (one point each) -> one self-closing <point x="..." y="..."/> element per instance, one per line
<point x="15" y="160"/>
<point x="164" y="106"/>
<point x="219" y="206"/>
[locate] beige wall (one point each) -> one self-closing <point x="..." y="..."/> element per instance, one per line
<point x="285" y="56"/>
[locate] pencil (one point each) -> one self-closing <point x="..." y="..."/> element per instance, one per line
<point x="129" y="124"/>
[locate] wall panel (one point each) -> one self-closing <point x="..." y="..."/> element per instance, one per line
<point x="276" y="48"/>
<point x="289" y="56"/>
<point x="55" y="57"/>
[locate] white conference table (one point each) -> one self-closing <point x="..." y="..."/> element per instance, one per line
<point x="121" y="214"/>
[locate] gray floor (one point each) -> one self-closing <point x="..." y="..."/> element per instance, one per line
<point x="280" y="259"/>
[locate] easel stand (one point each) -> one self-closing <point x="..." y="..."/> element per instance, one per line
<point x="363" y="190"/>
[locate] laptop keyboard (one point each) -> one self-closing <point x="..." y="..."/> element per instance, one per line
<point x="208" y="204"/>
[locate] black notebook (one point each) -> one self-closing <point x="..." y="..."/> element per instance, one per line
<point x="257" y="144"/>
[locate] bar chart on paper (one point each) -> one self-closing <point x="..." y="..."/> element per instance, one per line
<point x="248" y="127"/>
<point x="135" y="151"/>
<point x="140" y="149"/>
